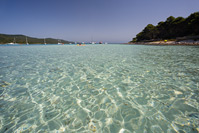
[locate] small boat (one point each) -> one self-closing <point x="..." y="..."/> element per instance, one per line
<point x="92" y="42"/>
<point x="14" y="42"/>
<point x="81" y="44"/>
<point x="60" y="43"/>
<point x="11" y="43"/>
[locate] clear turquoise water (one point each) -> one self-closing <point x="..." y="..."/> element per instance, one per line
<point x="99" y="88"/>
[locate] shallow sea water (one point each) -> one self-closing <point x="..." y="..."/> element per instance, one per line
<point x="99" y="88"/>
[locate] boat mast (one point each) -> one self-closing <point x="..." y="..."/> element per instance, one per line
<point x="45" y="41"/>
<point x="27" y="40"/>
<point x="92" y="42"/>
<point x="59" y="42"/>
<point x="14" y="41"/>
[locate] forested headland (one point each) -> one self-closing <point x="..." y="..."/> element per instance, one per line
<point x="172" y="28"/>
<point x="21" y="39"/>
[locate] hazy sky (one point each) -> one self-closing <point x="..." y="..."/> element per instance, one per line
<point x="82" y="20"/>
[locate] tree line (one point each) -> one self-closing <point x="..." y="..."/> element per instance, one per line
<point x="170" y="29"/>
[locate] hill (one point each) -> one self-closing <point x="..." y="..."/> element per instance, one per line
<point x="21" y="39"/>
<point x="172" y="28"/>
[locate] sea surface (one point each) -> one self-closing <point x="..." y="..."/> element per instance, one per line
<point x="99" y="88"/>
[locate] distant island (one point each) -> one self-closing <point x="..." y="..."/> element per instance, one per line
<point x="22" y="39"/>
<point x="172" y="31"/>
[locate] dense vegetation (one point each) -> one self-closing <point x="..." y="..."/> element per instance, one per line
<point x="21" y="39"/>
<point x="170" y="29"/>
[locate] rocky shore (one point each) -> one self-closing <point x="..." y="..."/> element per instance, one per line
<point x="184" y="42"/>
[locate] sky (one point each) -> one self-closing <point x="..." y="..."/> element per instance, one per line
<point x="116" y="21"/>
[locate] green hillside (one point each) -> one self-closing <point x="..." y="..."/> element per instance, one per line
<point x="172" y="28"/>
<point x="21" y="39"/>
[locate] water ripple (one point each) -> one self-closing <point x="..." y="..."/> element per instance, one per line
<point x="99" y="89"/>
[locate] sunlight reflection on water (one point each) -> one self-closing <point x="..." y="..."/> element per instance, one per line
<point x="99" y="88"/>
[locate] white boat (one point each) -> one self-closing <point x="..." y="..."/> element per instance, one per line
<point x="60" y="43"/>
<point x="92" y="42"/>
<point x="11" y="43"/>
<point x="14" y="42"/>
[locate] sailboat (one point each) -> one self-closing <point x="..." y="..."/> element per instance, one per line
<point x="60" y="43"/>
<point x="14" y="42"/>
<point x="44" y="41"/>
<point x="27" y="41"/>
<point x="92" y="42"/>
